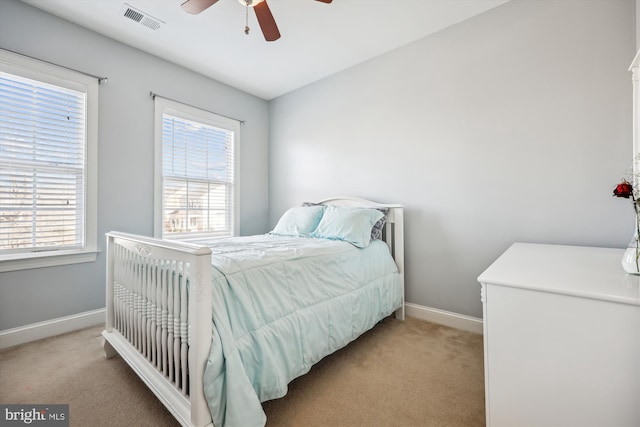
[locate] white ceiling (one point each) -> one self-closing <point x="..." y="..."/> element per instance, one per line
<point x="317" y="39"/>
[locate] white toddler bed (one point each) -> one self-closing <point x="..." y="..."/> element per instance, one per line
<point x="162" y="296"/>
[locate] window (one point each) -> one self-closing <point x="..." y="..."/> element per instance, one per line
<point x="48" y="148"/>
<point x="195" y="167"/>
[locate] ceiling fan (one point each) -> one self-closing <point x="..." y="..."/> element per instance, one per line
<point x="260" y="7"/>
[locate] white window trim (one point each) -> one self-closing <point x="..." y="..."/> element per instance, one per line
<point x="48" y="73"/>
<point x="170" y="107"/>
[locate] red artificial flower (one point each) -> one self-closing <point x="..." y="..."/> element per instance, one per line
<point x="624" y="189"/>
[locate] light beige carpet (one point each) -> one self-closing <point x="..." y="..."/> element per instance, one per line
<point x="410" y="373"/>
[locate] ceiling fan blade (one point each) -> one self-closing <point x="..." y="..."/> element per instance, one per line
<point x="196" y="6"/>
<point x="325" y="1"/>
<point x="266" y="21"/>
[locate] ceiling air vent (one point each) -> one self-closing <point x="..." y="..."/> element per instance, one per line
<point x="141" y="17"/>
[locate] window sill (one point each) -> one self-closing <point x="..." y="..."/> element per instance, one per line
<point x="23" y="261"/>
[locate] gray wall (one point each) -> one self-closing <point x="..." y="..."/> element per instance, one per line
<point x="511" y="126"/>
<point x="125" y="176"/>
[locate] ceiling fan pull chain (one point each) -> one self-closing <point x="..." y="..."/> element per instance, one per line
<point x="246" y="18"/>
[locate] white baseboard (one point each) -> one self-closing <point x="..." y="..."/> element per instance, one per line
<point x="50" y="328"/>
<point x="442" y="317"/>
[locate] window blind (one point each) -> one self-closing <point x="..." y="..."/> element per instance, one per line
<point x="42" y="165"/>
<point x="198" y="178"/>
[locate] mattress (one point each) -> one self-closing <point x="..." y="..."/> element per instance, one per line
<point x="280" y="304"/>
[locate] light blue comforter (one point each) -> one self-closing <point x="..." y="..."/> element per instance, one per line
<point x="280" y="304"/>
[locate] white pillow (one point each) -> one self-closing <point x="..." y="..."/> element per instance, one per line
<point x="299" y="221"/>
<point x="352" y="225"/>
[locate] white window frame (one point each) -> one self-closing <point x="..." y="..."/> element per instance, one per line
<point x="166" y="106"/>
<point x="33" y="69"/>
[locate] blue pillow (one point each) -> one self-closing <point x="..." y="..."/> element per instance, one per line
<point x="299" y="221"/>
<point x="376" y="231"/>
<point x="352" y="225"/>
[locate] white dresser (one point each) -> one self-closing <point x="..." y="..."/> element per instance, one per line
<point x="561" y="338"/>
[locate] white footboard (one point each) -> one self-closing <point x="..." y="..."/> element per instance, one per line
<point x="159" y="318"/>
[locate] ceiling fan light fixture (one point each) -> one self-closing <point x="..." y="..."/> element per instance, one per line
<point x="250" y="3"/>
<point x="260" y="7"/>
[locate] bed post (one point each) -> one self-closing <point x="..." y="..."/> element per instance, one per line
<point x="398" y="252"/>
<point x="108" y="349"/>
<point x="201" y="326"/>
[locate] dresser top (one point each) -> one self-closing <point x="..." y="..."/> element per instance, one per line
<point x="571" y="270"/>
